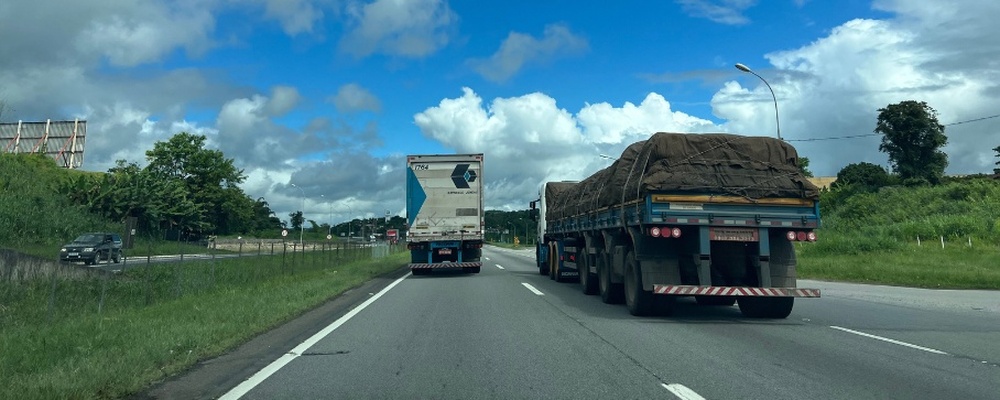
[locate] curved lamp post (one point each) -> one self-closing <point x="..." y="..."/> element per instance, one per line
<point x="777" y="125"/>
<point x="302" y="227"/>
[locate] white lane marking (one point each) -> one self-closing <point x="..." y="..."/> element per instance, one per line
<point x="682" y="392"/>
<point x="893" y="341"/>
<point x="486" y="258"/>
<point x="499" y="266"/>
<point x="532" y="289"/>
<point x="286" y="358"/>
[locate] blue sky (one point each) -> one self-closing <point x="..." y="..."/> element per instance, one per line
<point x="331" y="94"/>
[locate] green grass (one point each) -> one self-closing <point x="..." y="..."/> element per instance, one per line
<point x="156" y="321"/>
<point x="507" y="245"/>
<point x="957" y="266"/>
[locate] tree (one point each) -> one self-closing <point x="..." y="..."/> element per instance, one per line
<point x="211" y="179"/>
<point x="864" y="175"/>
<point x="804" y="166"/>
<point x="297" y="219"/>
<point x="997" y="170"/>
<point x="912" y="137"/>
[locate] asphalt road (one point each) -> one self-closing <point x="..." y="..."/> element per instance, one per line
<point x="509" y="333"/>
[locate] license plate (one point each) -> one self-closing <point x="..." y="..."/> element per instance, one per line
<point x="74" y="254"/>
<point x="444" y="251"/>
<point x="734" y="234"/>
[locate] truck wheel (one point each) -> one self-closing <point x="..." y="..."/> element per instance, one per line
<point x="543" y="268"/>
<point x="611" y="293"/>
<point x="766" y="307"/>
<point x="588" y="281"/>
<point x="715" y="300"/>
<point x="638" y="301"/>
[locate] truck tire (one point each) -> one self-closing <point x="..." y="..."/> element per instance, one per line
<point x="588" y="281"/>
<point x="766" y="307"/>
<point x="543" y="267"/>
<point x="715" y="300"/>
<point x="639" y="302"/>
<point x="611" y="293"/>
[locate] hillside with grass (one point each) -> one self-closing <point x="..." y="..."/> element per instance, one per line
<point x="894" y="235"/>
<point x="34" y="213"/>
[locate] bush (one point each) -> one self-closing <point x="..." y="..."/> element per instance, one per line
<point x="897" y="214"/>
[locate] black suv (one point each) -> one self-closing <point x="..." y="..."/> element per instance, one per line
<point x="91" y="248"/>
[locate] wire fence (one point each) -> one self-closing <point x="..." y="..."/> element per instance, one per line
<point x="39" y="289"/>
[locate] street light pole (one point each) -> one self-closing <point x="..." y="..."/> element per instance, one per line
<point x="302" y="226"/>
<point x="329" y="217"/>
<point x="777" y="125"/>
<point x="350" y="224"/>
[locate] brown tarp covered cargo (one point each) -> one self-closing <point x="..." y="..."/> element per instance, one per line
<point x="687" y="163"/>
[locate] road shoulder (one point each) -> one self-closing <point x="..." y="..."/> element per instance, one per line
<point x="210" y="379"/>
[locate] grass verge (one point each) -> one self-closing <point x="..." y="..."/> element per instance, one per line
<point x="927" y="266"/>
<point x="88" y="355"/>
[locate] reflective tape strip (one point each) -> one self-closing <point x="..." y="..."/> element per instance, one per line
<point x="688" y="290"/>
<point x="446" y="265"/>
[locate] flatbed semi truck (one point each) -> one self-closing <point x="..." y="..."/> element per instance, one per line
<point x="714" y="216"/>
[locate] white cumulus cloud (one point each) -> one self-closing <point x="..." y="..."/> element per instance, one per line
<point x="404" y="28"/>
<point x="520" y="49"/>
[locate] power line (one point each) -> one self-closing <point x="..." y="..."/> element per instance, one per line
<point x="972" y="120"/>
<point x="876" y="134"/>
<point x="832" y="138"/>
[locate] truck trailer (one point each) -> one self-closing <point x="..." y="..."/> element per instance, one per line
<point x="444" y="212"/>
<point x="715" y="216"/>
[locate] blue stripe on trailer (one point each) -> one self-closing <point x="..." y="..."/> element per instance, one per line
<point x="415" y="195"/>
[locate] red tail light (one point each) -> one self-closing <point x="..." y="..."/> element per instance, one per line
<point x="801" y="236"/>
<point x="811" y="236"/>
<point x="676" y="232"/>
<point x="654" y="231"/>
<point x="790" y="235"/>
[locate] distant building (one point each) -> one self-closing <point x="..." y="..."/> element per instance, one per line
<point x="62" y="140"/>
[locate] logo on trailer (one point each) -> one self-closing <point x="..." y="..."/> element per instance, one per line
<point x="462" y="176"/>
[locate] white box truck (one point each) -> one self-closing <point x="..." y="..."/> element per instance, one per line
<point x="444" y="212"/>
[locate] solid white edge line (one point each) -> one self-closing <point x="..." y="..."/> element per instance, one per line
<point x="499" y="266"/>
<point x="260" y="376"/>
<point x="893" y="341"/>
<point x="532" y="289"/>
<point x="682" y="392"/>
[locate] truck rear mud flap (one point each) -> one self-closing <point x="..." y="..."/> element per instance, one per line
<point x="735" y="291"/>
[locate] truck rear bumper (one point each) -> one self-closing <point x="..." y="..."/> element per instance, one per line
<point x="741" y="291"/>
<point x="446" y="265"/>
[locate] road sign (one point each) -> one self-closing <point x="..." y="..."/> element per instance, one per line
<point x="284" y="232"/>
<point x="328" y="237"/>
<point x="391" y="233"/>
